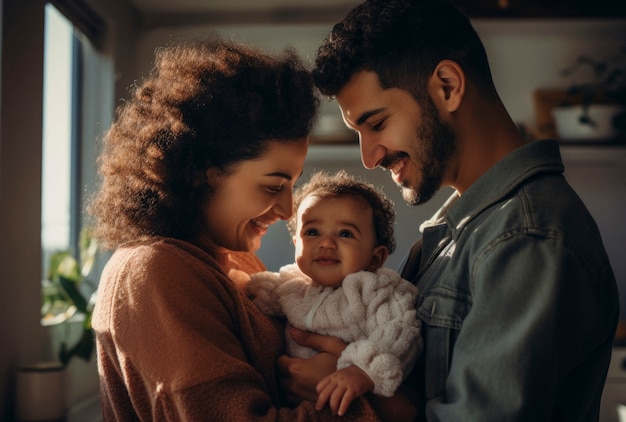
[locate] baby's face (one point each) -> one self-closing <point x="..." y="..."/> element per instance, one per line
<point x="335" y="237"/>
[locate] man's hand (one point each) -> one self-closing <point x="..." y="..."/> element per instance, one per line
<point x="298" y="377"/>
<point x="341" y="387"/>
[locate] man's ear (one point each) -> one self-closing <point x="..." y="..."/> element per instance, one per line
<point x="379" y="256"/>
<point x="447" y="85"/>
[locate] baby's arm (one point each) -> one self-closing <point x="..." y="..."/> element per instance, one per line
<point x="341" y="387"/>
<point x="392" y="339"/>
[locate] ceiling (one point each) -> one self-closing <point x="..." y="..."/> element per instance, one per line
<point x="203" y="6"/>
<point x="185" y="12"/>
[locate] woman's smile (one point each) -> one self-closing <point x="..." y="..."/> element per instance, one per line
<point x="261" y="225"/>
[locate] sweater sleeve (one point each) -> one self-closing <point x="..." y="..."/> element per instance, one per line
<point x="393" y="342"/>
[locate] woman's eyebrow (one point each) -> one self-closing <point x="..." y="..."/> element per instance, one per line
<point x="283" y="175"/>
<point x="279" y="174"/>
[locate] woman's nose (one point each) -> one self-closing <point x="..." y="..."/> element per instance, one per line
<point x="283" y="207"/>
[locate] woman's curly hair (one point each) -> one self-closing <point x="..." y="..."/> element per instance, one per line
<point x="206" y="104"/>
<point x="402" y="41"/>
<point x="341" y="184"/>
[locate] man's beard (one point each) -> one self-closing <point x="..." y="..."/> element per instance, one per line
<point x="434" y="145"/>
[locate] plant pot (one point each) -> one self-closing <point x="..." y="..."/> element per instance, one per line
<point x="41" y="392"/>
<point x="569" y="126"/>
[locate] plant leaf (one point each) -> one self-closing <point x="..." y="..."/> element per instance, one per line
<point x="68" y="268"/>
<point x="71" y="288"/>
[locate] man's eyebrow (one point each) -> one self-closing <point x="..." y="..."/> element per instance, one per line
<point x="363" y="118"/>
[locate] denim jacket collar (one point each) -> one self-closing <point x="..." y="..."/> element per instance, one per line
<point x="525" y="162"/>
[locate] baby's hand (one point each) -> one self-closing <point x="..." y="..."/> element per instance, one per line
<point x="341" y="387"/>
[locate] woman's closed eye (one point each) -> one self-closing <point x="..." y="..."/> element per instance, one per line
<point x="274" y="189"/>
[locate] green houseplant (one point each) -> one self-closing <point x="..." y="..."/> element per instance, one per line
<point x="597" y="96"/>
<point x="68" y="293"/>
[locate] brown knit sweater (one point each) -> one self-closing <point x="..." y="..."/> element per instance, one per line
<point x="177" y="341"/>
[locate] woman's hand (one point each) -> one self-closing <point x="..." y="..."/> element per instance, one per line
<point x="319" y="342"/>
<point x="298" y="377"/>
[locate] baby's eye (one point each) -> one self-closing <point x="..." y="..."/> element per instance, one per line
<point x="345" y="233"/>
<point x="311" y="232"/>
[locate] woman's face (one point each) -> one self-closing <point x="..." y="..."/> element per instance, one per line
<point x="253" y="196"/>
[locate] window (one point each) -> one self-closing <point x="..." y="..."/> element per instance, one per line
<point x="77" y="108"/>
<point x="59" y="169"/>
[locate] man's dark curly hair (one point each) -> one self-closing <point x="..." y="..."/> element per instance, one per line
<point x="206" y="104"/>
<point x="402" y="41"/>
<point x="341" y="184"/>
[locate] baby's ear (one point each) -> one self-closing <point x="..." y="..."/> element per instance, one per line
<point x="294" y="239"/>
<point x="379" y="256"/>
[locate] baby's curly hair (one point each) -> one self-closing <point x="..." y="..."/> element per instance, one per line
<point x="206" y="104"/>
<point x="341" y="184"/>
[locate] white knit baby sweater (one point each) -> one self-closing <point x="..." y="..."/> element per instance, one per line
<point x="373" y="312"/>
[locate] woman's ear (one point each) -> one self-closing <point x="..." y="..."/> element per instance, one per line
<point x="211" y="177"/>
<point x="379" y="256"/>
<point x="447" y="85"/>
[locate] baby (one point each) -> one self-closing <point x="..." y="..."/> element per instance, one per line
<point x="343" y="233"/>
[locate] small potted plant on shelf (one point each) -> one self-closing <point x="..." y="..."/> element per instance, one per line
<point x="68" y="294"/>
<point x="595" y="105"/>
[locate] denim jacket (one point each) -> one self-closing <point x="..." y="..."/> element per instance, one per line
<point x="517" y="298"/>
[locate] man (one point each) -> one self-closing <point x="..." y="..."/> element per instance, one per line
<point x="517" y="297"/>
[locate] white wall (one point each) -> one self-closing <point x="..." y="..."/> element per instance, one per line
<point x="530" y="54"/>
<point x="524" y="54"/>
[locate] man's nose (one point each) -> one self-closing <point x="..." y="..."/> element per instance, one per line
<point x="371" y="153"/>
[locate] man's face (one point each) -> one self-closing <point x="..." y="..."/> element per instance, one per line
<point x="398" y="134"/>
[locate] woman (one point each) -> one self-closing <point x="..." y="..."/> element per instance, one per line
<point x="200" y="162"/>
